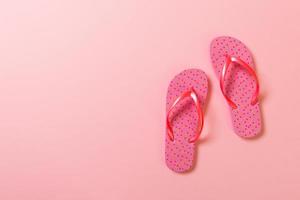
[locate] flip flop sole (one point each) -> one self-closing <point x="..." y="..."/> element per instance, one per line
<point x="239" y="85"/>
<point x="179" y="154"/>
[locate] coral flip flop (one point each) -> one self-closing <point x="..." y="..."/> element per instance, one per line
<point x="185" y="99"/>
<point x="234" y="67"/>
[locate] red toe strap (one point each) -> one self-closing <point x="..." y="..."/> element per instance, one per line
<point x="190" y="93"/>
<point x="228" y="62"/>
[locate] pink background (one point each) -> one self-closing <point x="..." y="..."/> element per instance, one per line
<point x="83" y="86"/>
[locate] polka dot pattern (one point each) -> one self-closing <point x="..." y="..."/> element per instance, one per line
<point x="179" y="154"/>
<point x="239" y="85"/>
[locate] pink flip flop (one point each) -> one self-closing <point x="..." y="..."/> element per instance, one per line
<point x="234" y="67"/>
<point x="185" y="99"/>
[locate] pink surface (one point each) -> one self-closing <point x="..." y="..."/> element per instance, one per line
<point x="239" y="85"/>
<point x="83" y="86"/>
<point x="180" y="153"/>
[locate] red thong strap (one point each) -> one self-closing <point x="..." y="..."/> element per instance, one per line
<point x="190" y="93"/>
<point x="228" y="62"/>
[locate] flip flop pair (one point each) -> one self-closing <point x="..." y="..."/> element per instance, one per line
<point x="187" y="94"/>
